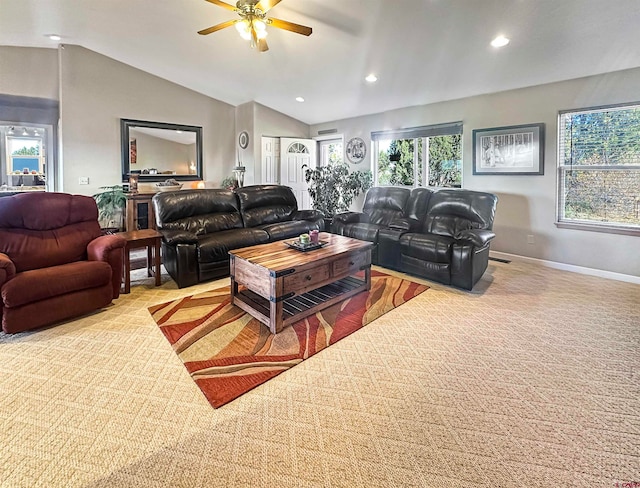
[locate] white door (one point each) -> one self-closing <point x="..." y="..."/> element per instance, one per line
<point x="295" y="153"/>
<point x="270" y="161"/>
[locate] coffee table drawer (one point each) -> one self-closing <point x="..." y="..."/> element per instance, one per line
<point x="351" y="264"/>
<point x="305" y="279"/>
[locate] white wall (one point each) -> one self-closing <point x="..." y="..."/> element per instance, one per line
<point x="97" y="91"/>
<point x="29" y="72"/>
<point x="268" y="122"/>
<point x="527" y="203"/>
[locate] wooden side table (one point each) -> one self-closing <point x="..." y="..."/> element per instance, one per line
<point x="137" y="239"/>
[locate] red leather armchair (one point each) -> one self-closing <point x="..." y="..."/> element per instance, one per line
<point x="54" y="262"/>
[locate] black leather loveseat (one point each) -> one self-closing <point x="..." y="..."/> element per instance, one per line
<point x="439" y="234"/>
<point x="200" y="227"/>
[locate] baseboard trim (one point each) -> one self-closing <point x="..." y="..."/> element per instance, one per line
<point x="569" y="267"/>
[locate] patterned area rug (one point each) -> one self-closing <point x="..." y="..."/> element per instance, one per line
<point x="227" y="352"/>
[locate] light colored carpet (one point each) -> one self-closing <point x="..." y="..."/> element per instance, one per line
<point x="532" y="380"/>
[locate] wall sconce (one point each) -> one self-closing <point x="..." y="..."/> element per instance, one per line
<point x="239" y="172"/>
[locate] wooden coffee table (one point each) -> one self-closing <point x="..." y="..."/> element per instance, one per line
<point x="279" y="285"/>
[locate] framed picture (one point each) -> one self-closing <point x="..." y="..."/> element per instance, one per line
<point x="514" y="150"/>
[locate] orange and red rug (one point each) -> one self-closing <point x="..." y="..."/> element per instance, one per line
<point x="227" y="352"/>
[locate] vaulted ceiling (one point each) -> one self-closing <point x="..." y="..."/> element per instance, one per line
<point x="422" y="51"/>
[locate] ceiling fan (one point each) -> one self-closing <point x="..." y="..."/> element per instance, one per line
<point x="253" y="21"/>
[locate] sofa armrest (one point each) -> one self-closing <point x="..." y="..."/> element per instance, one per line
<point x="110" y="249"/>
<point x="7" y="269"/>
<point x="477" y="237"/>
<point x="350" y="217"/>
<point x="307" y="215"/>
<point x="175" y="237"/>
<point x="406" y="224"/>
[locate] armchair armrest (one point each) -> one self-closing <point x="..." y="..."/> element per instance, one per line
<point x="407" y="224"/>
<point x="350" y="217"/>
<point x="307" y="215"/>
<point x="110" y="249"/>
<point x="7" y="269"/>
<point x="477" y="237"/>
<point x="175" y="237"/>
<point x="101" y="247"/>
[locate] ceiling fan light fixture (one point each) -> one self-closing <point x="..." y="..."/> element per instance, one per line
<point x="244" y="29"/>
<point x="259" y="25"/>
<point x="371" y="78"/>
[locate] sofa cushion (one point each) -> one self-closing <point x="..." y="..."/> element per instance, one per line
<point x="266" y="204"/>
<point x="385" y="203"/>
<point x="215" y="247"/>
<point x="427" y="247"/>
<point x="197" y="211"/>
<point x="364" y="232"/>
<point x="40" y="284"/>
<point x="284" y="230"/>
<point x="453" y="211"/>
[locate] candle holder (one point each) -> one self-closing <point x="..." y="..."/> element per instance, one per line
<point x="239" y="171"/>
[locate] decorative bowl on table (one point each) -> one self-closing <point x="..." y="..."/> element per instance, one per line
<point x="168" y="185"/>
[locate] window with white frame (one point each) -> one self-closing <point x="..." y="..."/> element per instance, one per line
<point x="330" y="151"/>
<point x="599" y="169"/>
<point x="420" y="156"/>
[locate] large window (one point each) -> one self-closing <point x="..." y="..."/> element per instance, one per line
<point x="421" y="156"/>
<point x="599" y="169"/>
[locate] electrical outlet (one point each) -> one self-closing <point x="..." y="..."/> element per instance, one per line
<point x="83" y="180"/>
<point x="531" y="239"/>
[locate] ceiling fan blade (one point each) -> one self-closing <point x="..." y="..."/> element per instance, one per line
<point x="262" y="45"/>
<point x="266" y="5"/>
<point x="222" y="4"/>
<point x="217" y="27"/>
<point x="290" y="26"/>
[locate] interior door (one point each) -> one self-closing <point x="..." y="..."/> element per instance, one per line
<point x="295" y="153"/>
<point x="270" y="160"/>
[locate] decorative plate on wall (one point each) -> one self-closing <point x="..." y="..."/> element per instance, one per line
<point x="356" y="150"/>
<point x="243" y="139"/>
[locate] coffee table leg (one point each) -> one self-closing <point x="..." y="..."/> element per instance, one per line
<point x="234" y="290"/>
<point x="275" y="317"/>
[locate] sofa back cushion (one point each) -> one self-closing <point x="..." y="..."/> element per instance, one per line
<point x="38" y="230"/>
<point x="266" y="204"/>
<point x="383" y="204"/>
<point x="197" y="211"/>
<point x="451" y="211"/>
<point x="418" y="203"/>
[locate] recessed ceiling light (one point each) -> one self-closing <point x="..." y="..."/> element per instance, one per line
<point x="371" y="78"/>
<point x="500" y="41"/>
<point x="54" y="37"/>
<point x="299" y="99"/>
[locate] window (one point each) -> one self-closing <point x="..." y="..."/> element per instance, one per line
<point x="599" y="169"/>
<point x="330" y="151"/>
<point x="421" y="156"/>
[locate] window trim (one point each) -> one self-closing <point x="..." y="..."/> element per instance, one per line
<point x="590" y="226"/>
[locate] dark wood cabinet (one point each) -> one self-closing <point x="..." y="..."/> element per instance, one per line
<point x="139" y="211"/>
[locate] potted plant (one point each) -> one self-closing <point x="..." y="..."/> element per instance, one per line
<point x="111" y="202"/>
<point x="333" y="188"/>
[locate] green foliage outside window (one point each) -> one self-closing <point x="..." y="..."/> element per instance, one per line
<point x="27" y="151"/>
<point x="396" y="163"/>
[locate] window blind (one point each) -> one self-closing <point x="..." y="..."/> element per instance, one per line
<point x="416" y="132"/>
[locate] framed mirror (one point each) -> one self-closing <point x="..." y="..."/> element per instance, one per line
<point x="157" y="151"/>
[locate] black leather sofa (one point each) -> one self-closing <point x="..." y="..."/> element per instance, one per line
<point x="200" y="227"/>
<point x="439" y="234"/>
